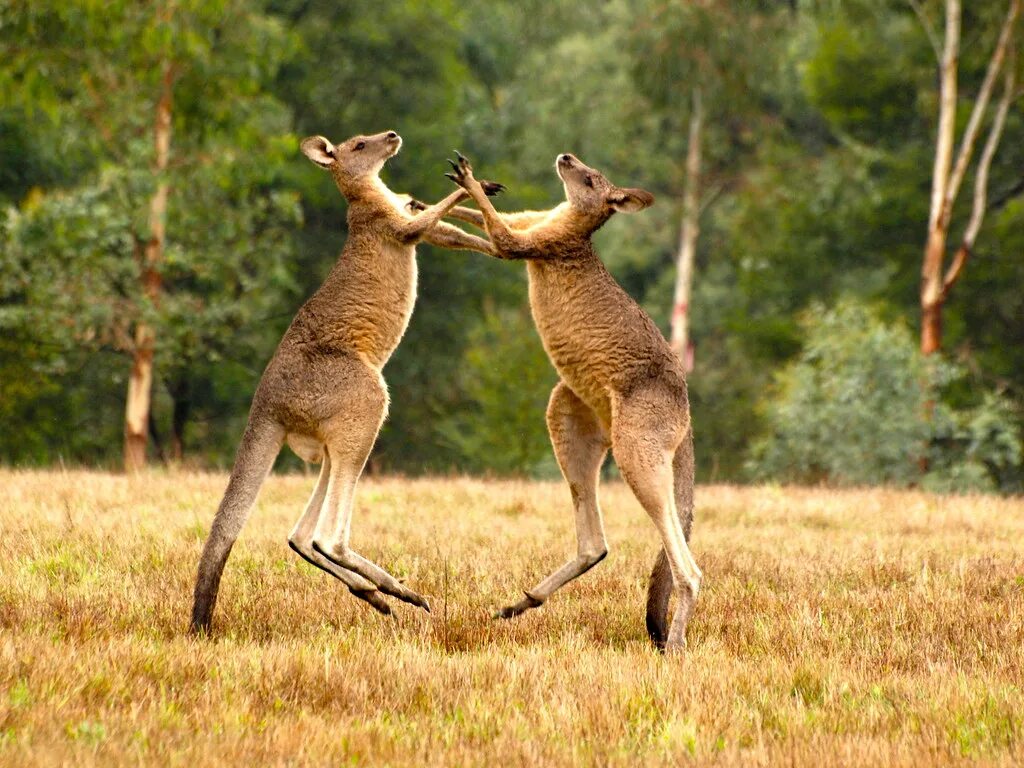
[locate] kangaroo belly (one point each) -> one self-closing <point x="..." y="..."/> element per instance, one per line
<point x="599" y="340"/>
<point x="364" y="306"/>
<point x="307" y="448"/>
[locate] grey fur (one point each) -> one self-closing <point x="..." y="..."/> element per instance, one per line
<point x="322" y="391"/>
<point x="622" y="386"/>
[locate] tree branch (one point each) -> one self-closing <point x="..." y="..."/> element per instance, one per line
<point x="981" y="180"/>
<point x="980" y="105"/>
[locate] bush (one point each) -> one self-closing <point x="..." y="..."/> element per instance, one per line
<point x="853" y="409"/>
<point x="975" y="449"/>
<point x="507" y="379"/>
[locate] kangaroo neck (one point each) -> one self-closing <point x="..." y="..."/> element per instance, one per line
<point x="365" y="304"/>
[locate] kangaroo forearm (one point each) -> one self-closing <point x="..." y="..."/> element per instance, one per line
<point x="468" y="215"/>
<point x="448" y="236"/>
<point x="517" y="220"/>
<point x="493" y="222"/>
<point x="508" y="244"/>
<point x="415" y="228"/>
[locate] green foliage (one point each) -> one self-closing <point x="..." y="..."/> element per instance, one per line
<point x="71" y="269"/>
<point x="820" y="124"/>
<point x="860" y="406"/>
<point x="507" y="380"/>
<point x="975" y="449"/>
<point x="862" y="76"/>
<point x="850" y="409"/>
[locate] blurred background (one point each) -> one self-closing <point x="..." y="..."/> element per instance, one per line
<point x="837" y="246"/>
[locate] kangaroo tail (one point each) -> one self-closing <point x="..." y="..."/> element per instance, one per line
<point x="659" y="589"/>
<point x="256" y="453"/>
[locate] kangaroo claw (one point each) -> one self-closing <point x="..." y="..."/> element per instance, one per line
<point x="464" y="165"/>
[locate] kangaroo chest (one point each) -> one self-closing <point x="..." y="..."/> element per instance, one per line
<point x="577" y="333"/>
<point x="383" y="302"/>
<point x="365" y="304"/>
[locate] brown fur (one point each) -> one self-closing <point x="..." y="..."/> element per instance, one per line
<point x="622" y="386"/>
<point x="322" y="391"/>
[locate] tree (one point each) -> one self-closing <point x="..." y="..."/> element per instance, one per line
<point x="936" y="280"/>
<point x="688" y="232"/>
<point x="700" y="61"/>
<point x="106" y="77"/>
<point x="140" y="380"/>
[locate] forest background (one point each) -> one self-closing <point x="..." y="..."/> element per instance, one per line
<point x="837" y="243"/>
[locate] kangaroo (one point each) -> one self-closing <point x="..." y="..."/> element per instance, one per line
<point x="322" y="391"/>
<point x="621" y="384"/>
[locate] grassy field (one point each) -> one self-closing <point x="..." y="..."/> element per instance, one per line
<point x="849" y="628"/>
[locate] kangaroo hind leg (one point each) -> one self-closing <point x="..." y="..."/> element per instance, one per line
<point x="580" y="445"/>
<point x="350" y="437"/>
<point x="331" y="538"/>
<point x="645" y="441"/>
<point x="256" y="453"/>
<point x="659" y="588"/>
<point x="301" y="541"/>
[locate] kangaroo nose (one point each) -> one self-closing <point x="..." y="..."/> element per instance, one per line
<point x="392" y="135"/>
<point x="566" y="158"/>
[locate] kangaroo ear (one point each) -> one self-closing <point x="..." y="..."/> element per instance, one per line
<point x="319" y="150"/>
<point x="630" y="199"/>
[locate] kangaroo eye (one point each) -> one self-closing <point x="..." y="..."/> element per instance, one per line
<point x="588" y="181"/>
<point x="359" y="146"/>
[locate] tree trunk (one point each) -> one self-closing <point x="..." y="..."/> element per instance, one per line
<point x="136" y="416"/>
<point x="931" y="328"/>
<point x="140" y="381"/>
<point x="680" y="338"/>
<point x="938" y="217"/>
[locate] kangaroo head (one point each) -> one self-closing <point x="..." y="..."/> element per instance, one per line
<point x="355" y="161"/>
<point x="590" y="193"/>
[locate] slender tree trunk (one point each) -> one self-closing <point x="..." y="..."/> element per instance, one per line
<point x="140" y="380"/>
<point x="680" y="338"/>
<point x="936" y="282"/>
<point x="938" y="219"/>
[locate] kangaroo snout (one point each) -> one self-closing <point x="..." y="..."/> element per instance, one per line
<point x="392" y="143"/>
<point x="566" y="159"/>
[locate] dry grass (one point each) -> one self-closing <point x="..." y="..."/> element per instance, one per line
<point x="869" y="627"/>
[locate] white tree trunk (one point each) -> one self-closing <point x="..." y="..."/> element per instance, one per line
<point x="680" y="338"/>
<point x="935" y="249"/>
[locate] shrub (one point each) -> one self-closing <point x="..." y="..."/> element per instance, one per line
<point x="507" y="379"/>
<point x="860" y="406"/>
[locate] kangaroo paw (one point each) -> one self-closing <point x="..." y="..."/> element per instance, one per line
<point x="492" y="188"/>
<point x="522" y="606"/>
<point x="462" y="171"/>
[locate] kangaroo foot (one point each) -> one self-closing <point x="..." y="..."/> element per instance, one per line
<point x="522" y="606"/>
